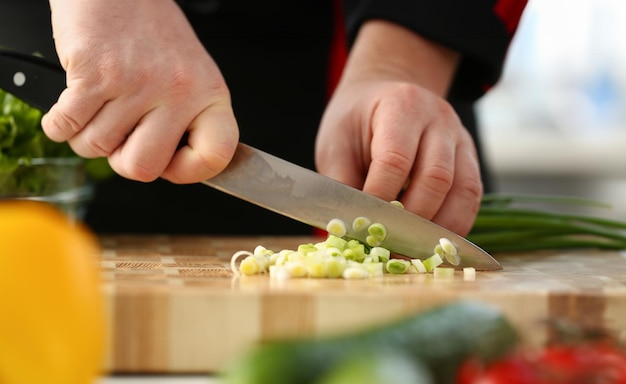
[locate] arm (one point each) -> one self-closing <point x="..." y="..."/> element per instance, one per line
<point x="388" y="128"/>
<point x="480" y="30"/>
<point x="387" y="49"/>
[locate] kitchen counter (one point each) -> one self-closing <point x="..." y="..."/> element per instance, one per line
<point x="176" y="308"/>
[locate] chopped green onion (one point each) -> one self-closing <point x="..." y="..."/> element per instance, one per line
<point x="360" y="224"/>
<point x="296" y="269"/>
<point x="316" y="269"/>
<point x="358" y="248"/>
<point x="443" y="272"/>
<point x="355" y="273"/>
<point x="335" y="267"/>
<point x="249" y="266"/>
<point x="447" y="246"/>
<point x="432" y="262"/>
<point x="378" y="231"/>
<point x="334" y="252"/>
<point x="351" y="254"/>
<point x="380" y="254"/>
<point x="397" y="266"/>
<point x="469" y="273"/>
<point x="452" y="259"/>
<point x="335" y="242"/>
<point x="419" y="266"/>
<point x="282" y="258"/>
<point x="296" y="256"/>
<point x="279" y="272"/>
<point x="235" y="258"/>
<point x="307" y="248"/>
<point x="374" y="269"/>
<point x="260" y="250"/>
<point x="336" y="227"/>
<point x="373" y="241"/>
<point x="397" y="203"/>
<point x="447" y="250"/>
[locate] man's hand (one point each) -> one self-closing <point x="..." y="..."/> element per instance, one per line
<point x="389" y="131"/>
<point x="138" y="79"/>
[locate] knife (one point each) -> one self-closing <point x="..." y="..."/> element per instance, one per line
<point x="273" y="183"/>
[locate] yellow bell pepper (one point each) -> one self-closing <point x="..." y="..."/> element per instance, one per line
<point x="52" y="321"/>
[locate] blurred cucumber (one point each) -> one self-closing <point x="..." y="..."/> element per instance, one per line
<point x="440" y="339"/>
<point x="379" y="366"/>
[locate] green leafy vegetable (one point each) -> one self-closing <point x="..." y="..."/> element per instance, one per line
<point x="21" y="141"/>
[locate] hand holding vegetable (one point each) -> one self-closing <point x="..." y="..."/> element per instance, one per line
<point x="138" y="79"/>
<point x="388" y="123"/>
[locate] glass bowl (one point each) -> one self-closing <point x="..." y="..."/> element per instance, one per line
<point x="61" y="181"/>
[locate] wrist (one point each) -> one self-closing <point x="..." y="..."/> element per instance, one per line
<point x="387" y="51"/>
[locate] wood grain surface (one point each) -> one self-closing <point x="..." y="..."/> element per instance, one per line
<point x="175" y="306"/>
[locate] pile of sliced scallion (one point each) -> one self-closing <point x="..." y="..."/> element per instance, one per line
<point x="338" y="257"/>
<point x="516" y="223"/>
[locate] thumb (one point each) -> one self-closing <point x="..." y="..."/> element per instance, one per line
<point x="212" y="140"/>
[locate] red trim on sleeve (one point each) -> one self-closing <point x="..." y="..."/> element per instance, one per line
<point x="337" y="60"/>
<point x="510" y="12"/>
<point x="338" y="47"/>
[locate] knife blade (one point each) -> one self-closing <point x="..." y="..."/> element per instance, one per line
<point x="274" y="183"/>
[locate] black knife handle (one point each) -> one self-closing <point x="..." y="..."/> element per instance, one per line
<point x="33" y="79"/>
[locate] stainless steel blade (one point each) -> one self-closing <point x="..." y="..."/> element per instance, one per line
<point x="311" y="198"/>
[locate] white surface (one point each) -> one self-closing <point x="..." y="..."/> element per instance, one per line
<point x="556" y="122"/>
<point x="527" y="152"/>
<point x="558" y="109"/>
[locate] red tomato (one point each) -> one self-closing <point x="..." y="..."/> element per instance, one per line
<point x="583" y="363"/>
<point x="512" y="369"/>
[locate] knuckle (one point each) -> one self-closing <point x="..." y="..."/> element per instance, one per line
<point x="139" y="172"/>
<point x="394" y="162"/>
<point x="61" y="126"/>
<point x="472" y="190"/>
<point x="215" y="161"/>
<point x="438" y="179"/>
<point x="93" y="147"/>
<point x="407" y="91"/>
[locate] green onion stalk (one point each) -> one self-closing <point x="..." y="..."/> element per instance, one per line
<point x="511" y="223"/>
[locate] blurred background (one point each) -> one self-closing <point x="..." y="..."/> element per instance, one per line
<point x="556" y="122"/>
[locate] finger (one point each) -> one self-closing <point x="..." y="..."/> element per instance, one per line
<point x="212" y="141"/>
<point x="394" y="143"/>
<point x="109" y="128"/>
<point x="460" y="208"/>
<point x="76" y="106"/>
<point x="432" y="175"/>
<point x="146" y="152"/>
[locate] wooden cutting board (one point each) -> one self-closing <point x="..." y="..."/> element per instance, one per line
<point x="175" y="307"/>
